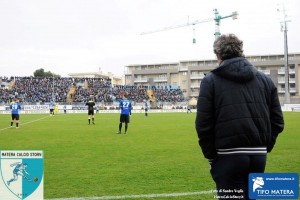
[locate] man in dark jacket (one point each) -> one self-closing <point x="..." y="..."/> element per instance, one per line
<point x="238" y="118"/>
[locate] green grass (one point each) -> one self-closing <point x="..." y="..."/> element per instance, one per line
<point x="160" y="154"/>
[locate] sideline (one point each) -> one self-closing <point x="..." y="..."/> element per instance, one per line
<point x="26" y="123"/>
<point x="138" y="196"/>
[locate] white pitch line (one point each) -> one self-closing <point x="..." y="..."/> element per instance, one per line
<point x="137" y="196"/>
<point x="25" y="123"/>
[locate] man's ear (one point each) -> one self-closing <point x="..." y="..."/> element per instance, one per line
<point x="219" y="59"/>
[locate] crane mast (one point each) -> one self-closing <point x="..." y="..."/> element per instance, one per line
<point x="218" y="18"/>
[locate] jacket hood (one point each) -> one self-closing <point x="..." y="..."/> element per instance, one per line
<point x="236" y="69"/>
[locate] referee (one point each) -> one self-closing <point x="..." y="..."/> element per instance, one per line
<point x="90" y="105"/>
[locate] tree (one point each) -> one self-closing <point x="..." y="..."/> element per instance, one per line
<point x="41" y="73"/>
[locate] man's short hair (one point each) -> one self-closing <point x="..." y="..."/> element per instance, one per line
<point x="228" y="46"/>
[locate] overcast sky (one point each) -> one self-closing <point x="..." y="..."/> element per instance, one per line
<point x="73" y="36"/>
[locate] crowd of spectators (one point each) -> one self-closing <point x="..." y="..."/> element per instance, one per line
<point x="135" y="93"/>
<point x="5" y="95"/>
<point x="98" y="88"/>
<point x="171" y="95"/>
<point x="43" y="90"/>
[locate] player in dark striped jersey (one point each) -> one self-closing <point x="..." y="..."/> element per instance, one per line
<point x="91" y="105"/>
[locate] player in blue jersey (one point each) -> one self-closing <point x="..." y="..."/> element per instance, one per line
<point x="125" y="106"/>
<point x="15" y="107"/>
<point x="51" y="106"/>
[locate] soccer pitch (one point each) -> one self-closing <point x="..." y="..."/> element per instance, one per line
<point x="159" y="158"/>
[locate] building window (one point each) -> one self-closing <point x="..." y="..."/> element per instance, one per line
<point x="292" y="66"/>
<point x="292" y="75"/>
<point x="184" y="73"/>
<point x="174" y="66"/>
<point x="184" y="64"/>
<point x="264" y="58"/>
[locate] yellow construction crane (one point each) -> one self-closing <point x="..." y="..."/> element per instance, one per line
<point x="217" y="20"/>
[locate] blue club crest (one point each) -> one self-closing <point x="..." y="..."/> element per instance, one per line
<point x="21" y="175"/>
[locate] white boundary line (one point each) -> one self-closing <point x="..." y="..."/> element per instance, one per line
<point x="138" y="196"/>
<point x="25" y="123"/>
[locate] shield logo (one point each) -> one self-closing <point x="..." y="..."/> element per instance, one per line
<point x="22" y="174"/>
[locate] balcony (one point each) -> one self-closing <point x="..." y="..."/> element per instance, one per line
<point x="194" y="94"/>
<point x="197" y="76"/>
<point x="141" y="80"/>
<point x="281" y="80"/>
<point x="282" y="90"/>
<point x="183" y="68"/>
<point x="292" y="80"/>
<point x="293" y="90"/>
<point x="281" y="71"/>
<point x="127" y="72"/>
<point x="195" y="85"/>
<point x="292" y="71"/>
<point x="267" y="72"/>
<point x="160" y="79"/>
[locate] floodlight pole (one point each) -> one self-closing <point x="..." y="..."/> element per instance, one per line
<point x="287" y="98"/>
<point x="53" y="88"/>
<point x="286" y="76"/>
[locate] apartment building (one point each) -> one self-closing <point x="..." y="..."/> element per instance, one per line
<point x="187" y="75"/>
